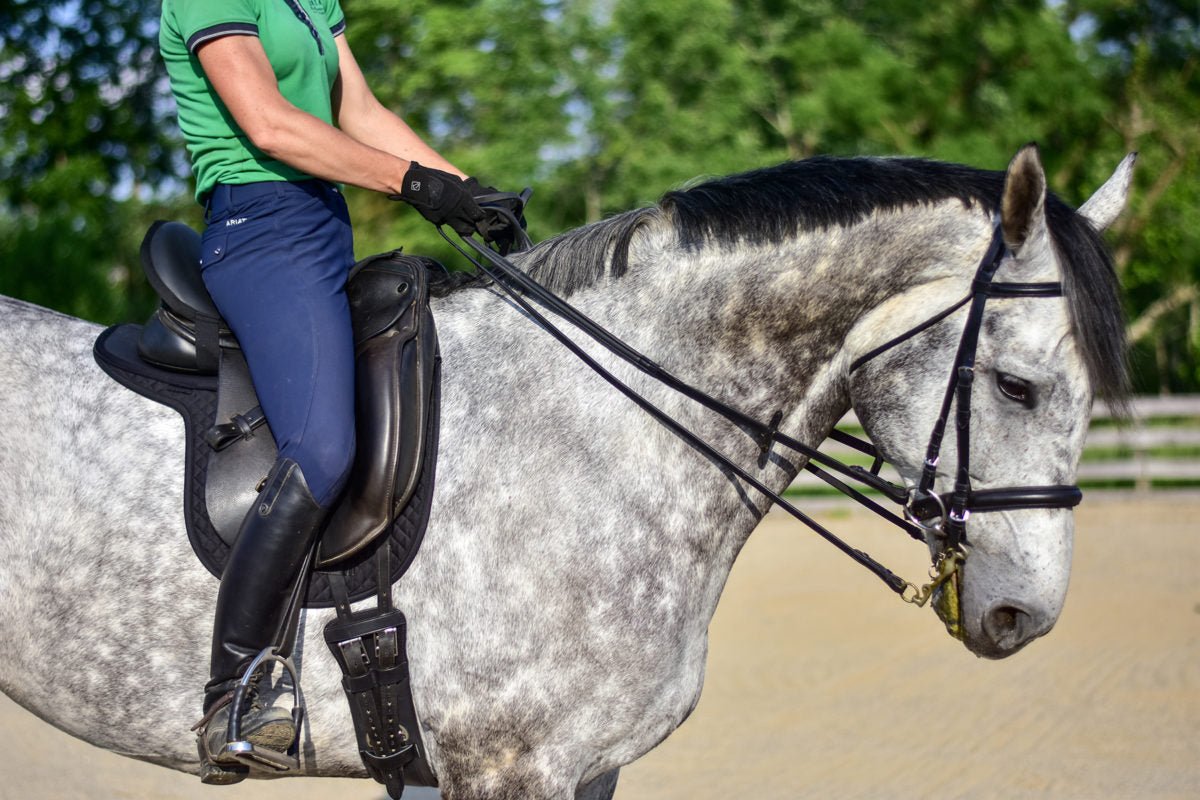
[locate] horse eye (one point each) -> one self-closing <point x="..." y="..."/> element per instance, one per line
<point x="1014" y="388"/>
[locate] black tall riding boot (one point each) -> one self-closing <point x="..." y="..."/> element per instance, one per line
<point x="264" y="570"/>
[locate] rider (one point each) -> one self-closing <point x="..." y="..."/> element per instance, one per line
<point x="276" y="113"/>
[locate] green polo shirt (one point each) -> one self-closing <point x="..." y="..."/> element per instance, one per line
<point x="297" y="36"/>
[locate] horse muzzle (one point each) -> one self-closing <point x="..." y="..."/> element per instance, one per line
<point x="996" y="604"/>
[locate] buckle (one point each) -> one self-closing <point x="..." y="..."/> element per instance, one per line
<point x="910" y="513"/>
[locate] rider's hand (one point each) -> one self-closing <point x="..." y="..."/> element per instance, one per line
<point x="497" y="228"/>
<point x="441" y="198"/>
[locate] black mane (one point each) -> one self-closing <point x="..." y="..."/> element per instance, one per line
<point x="769" y="205"/>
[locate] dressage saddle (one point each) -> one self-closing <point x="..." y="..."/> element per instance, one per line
<point x="186" y="357"/>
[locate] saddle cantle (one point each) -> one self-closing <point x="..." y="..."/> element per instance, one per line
<point x="185" y="357"/>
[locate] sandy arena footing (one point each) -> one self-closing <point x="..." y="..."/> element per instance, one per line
<point x="822" y="684"/>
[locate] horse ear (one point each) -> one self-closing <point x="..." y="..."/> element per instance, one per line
<point x="1103" y="208"/>
<point x="1023" y="207"/>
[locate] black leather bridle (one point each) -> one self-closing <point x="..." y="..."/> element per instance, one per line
<point x="922" y="503"/>
<point x="924" y="511"/>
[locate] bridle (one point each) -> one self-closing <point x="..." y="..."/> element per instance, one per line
<point x="925" y="512"/>
<point x="950" y="511"/>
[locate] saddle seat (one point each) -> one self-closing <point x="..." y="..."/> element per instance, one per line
<point x="395" y="393"/>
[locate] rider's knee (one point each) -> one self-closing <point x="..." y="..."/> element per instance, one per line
<point x="327" y="464"/>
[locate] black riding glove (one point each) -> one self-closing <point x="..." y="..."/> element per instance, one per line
<point x="441" y="198"/>
<point x="497" y="228"/>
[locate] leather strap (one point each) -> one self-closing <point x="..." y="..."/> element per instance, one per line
<point x="1014" y="497"/>
<point x="239" y="427"/>
<point x="370" y="647"/>
<point x="208" y="342"/>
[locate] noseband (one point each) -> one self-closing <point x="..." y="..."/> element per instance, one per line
<point x="925" y="511"/>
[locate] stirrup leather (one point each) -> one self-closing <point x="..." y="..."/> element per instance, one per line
<point x="237" y="749"/>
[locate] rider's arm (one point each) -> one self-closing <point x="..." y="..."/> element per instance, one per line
<point x="360" y="114"/>
<point x="238" y="69"/>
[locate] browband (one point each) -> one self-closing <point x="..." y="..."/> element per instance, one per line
<point x="997" y="290"/>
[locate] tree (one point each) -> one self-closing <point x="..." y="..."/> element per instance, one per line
<point x="81" y="101"/>
<point x="764" y="80"/>
<point x="479" y="79"/>
<point x="1148" y="56"/>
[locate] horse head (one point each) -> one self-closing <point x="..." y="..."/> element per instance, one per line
<point x="1039" y="361"/>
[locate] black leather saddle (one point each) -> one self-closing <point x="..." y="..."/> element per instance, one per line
<point x="186" y="358"/>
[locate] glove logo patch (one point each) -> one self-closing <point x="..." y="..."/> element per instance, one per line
<point x="414" y="186"/>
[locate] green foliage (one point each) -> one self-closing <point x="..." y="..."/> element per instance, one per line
<point x="82" y="124"/>
<point x="480" y="78"/>
<point x="79" y="253"/>
<point x="79" y="78"/>
<point x="603" y="105"/>
<point x="1147" y="55"/>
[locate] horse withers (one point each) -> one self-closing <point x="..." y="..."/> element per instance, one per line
<point x="558" y="610"/>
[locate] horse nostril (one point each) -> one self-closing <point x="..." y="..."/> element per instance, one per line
<point x="1007" y="626"/>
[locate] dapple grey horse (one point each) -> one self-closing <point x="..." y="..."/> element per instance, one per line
<point x="559" y="608"/>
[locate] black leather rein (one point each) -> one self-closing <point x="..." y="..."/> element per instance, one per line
<point x="920" y="504"/>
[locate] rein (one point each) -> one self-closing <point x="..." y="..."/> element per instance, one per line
<point x="925" y="511"/>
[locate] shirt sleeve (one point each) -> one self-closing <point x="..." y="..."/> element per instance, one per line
<point x="202" y="21"/>
<point x="335" y="17"/>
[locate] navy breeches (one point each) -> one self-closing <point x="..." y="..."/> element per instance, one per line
<point x="275" y="257"/>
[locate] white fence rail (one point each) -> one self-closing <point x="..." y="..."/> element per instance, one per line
<point x="1137" y="453"/>
<point x="1159" y="424"/>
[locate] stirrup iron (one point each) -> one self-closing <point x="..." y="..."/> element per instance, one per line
<point x="241" y="751"/>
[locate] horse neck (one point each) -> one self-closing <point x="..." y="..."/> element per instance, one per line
<point x="769" y="328"/>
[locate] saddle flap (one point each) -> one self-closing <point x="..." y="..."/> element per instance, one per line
<point x="194" y="396"/>
<point x="394" y="380"/>
<point x="234" y="473"/>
